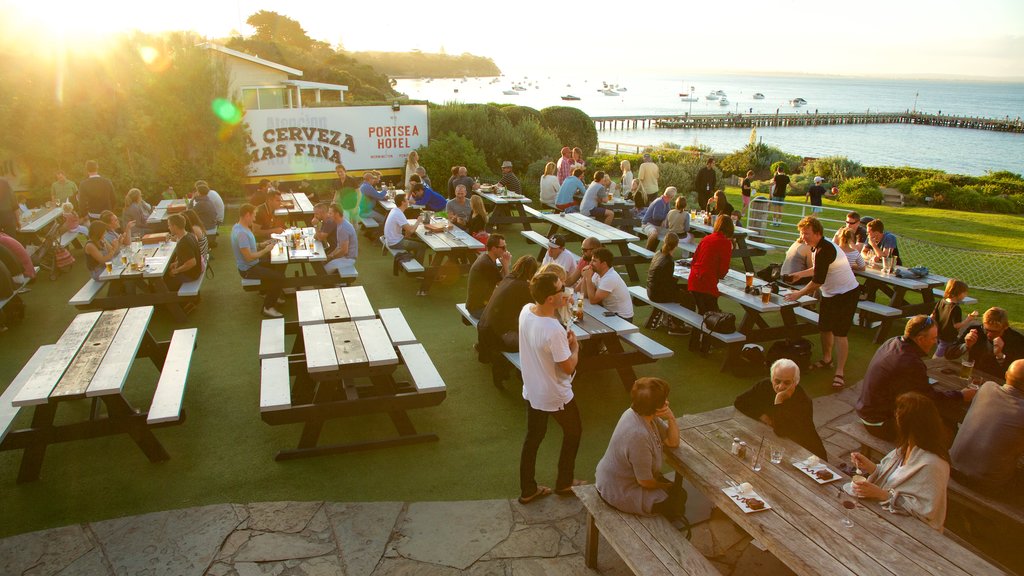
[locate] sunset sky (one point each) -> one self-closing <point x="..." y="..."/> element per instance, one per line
<point x="950" y="38"/>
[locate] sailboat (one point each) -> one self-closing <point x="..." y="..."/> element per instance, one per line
<point x="688" y="96"/>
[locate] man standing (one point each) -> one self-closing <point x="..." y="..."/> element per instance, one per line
<point x="779" y="184"/>
<point x="648" y="175"/>
<point x="605" y="287"/>
<point x="508" y="179"/>
<point x="559" y="255"/>
<point x="371" y="197"/>
<point x="62" y="190"/>
<point x="705" y="183"/>
<point x="345" y="245"/>
<point x="346" y="193"/>
<point x="564" y="165"/>
<point x="898" y="367"/>
<point x="10" y="222"/>
<point x="96" y="193"/>
<point x="458" y="208"/>
<point x="464" y="179"/>
<point x="398" y="230"/>
<point x="653" y="221"/>
<point x="549" y="354"/>
<point x="485" y="273"/>
<point x="185" y="265"/>
<point x="839" y="296"/>
<point x="248" y="255"/>
<point x="994" y="347"/>
<point x="595" y="196"/>
<point x="265" y="220"/>
<point x="815" y="193"/>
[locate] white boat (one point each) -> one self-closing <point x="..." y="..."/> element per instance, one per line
<point x="797" y="102"/>
<point x="758" y="96"/>
<point x="519" y="88"/>
<point x="723" y="102"/>
<point x="608" y="92"/>
<point x="720" y="93"/>
<point x="711" y="96"/>
<point x="509" y="92"/>
<point x="688" y="98"/>
<point x="621" y="89"/>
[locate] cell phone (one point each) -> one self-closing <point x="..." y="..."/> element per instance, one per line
<point x="609" y="313"/>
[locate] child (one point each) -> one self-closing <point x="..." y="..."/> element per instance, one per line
<point x="949" y="317"/>
<point x="847" y="239"/>
<point x="678" y="219"/>
<point x="71" y="222"/>
<point x="737" y="218"/>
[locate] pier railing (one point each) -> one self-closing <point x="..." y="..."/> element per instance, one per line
<point x="731" y="120"/>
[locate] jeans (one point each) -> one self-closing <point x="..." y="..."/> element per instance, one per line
<point x="418" y="249"/>
<point x="536" y="427"/>
<point x="334" y="265"/>
<point x="270" y="282"/>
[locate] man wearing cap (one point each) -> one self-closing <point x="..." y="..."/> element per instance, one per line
<point x="648" y="176"/>
<point x="508" y="179"/>
<point x="559" y="255"/>
<point x="564" y="164"/>
<point x="654" y="217"/>
<point x="814" y="194"/>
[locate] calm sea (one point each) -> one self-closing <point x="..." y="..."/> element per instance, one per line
<point x="954" y="150"/>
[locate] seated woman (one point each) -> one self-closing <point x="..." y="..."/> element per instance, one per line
<point x="195" y="225"/>
<point x="847" y="238"/>
<point x="136" y="210"/>
<point x="498" y="330"/>
<point x="662" y="286"/>
<point x="678" y="219"/>
<point x="781" y="403"/>
<point x="719" y="205"/>
<point x="99" y="251"/>
<point x="478" y="220"/>
<point x="911" y="479"/>
<point x="629" y="474"/>
<point x="549" y="185"/>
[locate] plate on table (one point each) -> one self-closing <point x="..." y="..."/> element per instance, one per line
<point x="748" y="500"/>
<point x="818" y="471"/>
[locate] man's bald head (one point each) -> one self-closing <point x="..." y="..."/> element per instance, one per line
<point x="591" y="243"/>
<point x="463" y="171"/>
<point x="1015" y="375"/>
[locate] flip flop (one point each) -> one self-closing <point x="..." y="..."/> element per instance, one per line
<point x="838" y="381"/>
<point x="541" y="492"/>
<point x="567" y="491"/>
<point x="820" y="364"/>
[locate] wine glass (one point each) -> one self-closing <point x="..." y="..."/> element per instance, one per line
<point x="848" y="504"/>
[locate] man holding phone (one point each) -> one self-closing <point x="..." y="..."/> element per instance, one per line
<point x="603" y="285"/>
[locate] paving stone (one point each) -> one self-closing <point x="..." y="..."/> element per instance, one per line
<point x="406" y="567"/>
<point x="319" y="566"/>
<point x="531" y="541"/>
<point x="498" y="567"/>
<point x="275" y="546"/>
<point x="703" y="541"/>
<point x="233" y="542"/>
<point x="362" y="531"/>
<point x="722" y="567"/>
<point x="850" y="394"/>
<point x="724" y="531"/>
<point x="471" y="529"/>
<point x="828" y="408"/>
<point x="546" y="509"/>
<point x="43" y="552"/>
<point x="91" y="563"/>
<point x="290" y="517"/>
<point x="563" y="566"/>
<point x="220" y="569"/>
<point x="755" y="561"/>
<point x="569" y="527"/>
<point x="173" y="543"/>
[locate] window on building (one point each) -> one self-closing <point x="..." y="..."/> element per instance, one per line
<point x="264" y="98"/>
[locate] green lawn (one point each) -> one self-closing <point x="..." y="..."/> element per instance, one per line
<point x="223" y="452"/>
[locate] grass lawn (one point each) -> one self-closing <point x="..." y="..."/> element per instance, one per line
<point x="224" y="453"/>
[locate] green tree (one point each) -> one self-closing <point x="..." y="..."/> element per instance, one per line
<point x="273" y="27"/>
<point x="571" y="126"/>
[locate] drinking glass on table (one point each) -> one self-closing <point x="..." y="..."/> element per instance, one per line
<point x="848" y="504"/>
<point x="966" y="367"/>
<point x="777" y="452"/>
<point x="766" y="294"/>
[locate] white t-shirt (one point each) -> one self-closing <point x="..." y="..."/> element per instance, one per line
<point x="393" y="226"/>
<point x="618" y="299"/>
<point x="542" y="344"/>
<point x="549" y="188"/>
<point x="218" y="204"/>
<point x="567" y="260"/>
<point x="627" y="181"/>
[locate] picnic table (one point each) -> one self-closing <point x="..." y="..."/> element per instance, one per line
<point x="310" y="256"/>
<point x="802" y="522"/>
<point x="155" y="259"/>
<point x="295" y="207"/>
<point x="508" y="207"/>
<point x="343" y="362"/>
<point x="448" y="246"/>
<point x="34" y="226"/>
<point x="743" y="247"/>
<point x="92" y="360"/>
<point x="580" y="226"/>
<point x="158" y="217"/>
<point x="898" y="306"/>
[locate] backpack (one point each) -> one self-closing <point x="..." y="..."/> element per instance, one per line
<point x="751" y="362"/>
<point x="796" y="349"/>
<point x="399" y="258"/>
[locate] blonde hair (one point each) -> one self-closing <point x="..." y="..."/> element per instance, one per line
<point x="67" y="207"/>
<point x="477" y="204"/>
<point x="624" y="166"/>
<point x="550" y="169"/>
<point x="553" y="268"/>
<point x="134" y="195"/>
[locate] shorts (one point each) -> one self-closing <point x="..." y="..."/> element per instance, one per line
<point x="836" y="312"/>
<point x="778" y="199"/>
<point x="598" y="212"/>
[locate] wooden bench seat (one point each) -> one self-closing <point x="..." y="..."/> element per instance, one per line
<point x="275" y="384"/>
<point x="467" y="318"/>
<point x="690" y="247"/>
<point x="963" y="495"/>
<point x="251" y="284"/>
<point x="968" y="300"/>
<point x="7" y="411"/>
<point x="17" y="290"/>
<point x="535" y="238"/>
<point x="686" y="315"/>
<point x="759" y="245"/>
<point x="424" y="374"/>
<point x="87" y="294"/>
<point x="170" y="390"/>
<point x="191" y="289"/>
<point x="641" y="251"/>
<point x="648" y="346"/>
<point x="410" y="266"/>
<point x="397" y="327"/>
<point x="369" y="223"/>
<point x="272" y="338"/>
<point x="531" y="211"/>
<point x="875" y="309"/>
<point x="809" y="315"/>
<point x="70" y="237"/>
<point x="647" y="545"/>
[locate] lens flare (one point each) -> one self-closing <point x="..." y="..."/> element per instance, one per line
<point x="148" y="54"/>
<point x="227" y="111"/>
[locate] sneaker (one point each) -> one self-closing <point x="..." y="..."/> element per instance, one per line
<point x="281" y="301"/>
<point x="272" y="313"/>
<point x="678" y="330"/>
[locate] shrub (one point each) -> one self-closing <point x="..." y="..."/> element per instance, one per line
<point x="904" y="185"/>
<point x="999" y="205"/>
<point x="517" y="114"/>
<point x="492" y="133"/>
<point x="963" y="199"/>
<point x="835" y="169"/>
<point x="932" y="188"/>
<point x="860" y="191"/>
<point x="450" y="149"/>
<point x="680" y="175"/>
<point x="531" y="179"/>
<point x="572" y="127"/>
<point x="886" y="174"/>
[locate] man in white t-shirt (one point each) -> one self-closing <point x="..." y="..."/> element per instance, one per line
<point x="397" y="229"/>
<point x="549" y="354"/>
<point x="605" y="287"/>
<point x="559" y="255"/>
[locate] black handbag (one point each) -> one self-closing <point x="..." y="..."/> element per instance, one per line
<point x="721" y="322"/>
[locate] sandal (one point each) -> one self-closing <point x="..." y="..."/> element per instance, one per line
<point x="567" y="491"/>
<point x="820" y="364"/>
<point x="838" y="381"/>
<point x="541" y="492"/>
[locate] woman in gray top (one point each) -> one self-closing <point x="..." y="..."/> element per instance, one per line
<point x="136" y="209"/>
<point x="629" y="474"/>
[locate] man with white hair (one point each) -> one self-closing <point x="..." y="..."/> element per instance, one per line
<point x="653" y="222"/>
<point x="781" y="403"/>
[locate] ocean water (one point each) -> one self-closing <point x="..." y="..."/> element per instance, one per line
<point x="951" y="149"/>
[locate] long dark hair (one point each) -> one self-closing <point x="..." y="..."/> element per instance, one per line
<point x="917" y="420"/>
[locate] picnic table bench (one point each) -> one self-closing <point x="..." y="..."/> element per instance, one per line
<point x="508" y="207"/>
<point x="35" y="226"/>
<point x="92" y="360"/>
<point x="580" y="227"/>
<point x="451" y="246"/>
<point x="310" y="262"/>
<point x="296" y="207"/>
<point x="898" y="305"/>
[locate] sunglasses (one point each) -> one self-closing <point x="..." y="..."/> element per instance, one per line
<point x="922" y="327"/>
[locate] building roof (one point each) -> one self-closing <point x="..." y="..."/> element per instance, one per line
<point x="306" y="84"/>
<point x="255" y="60"/>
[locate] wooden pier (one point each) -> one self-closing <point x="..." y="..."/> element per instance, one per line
<point x="705" y="121"/>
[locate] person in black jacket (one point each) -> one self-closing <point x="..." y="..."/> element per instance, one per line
<point x="993" y="346"/>
<point x="705" y="183"/>
<point x="661" y="282"/>
<point x="781" y="403"/>
<point x="498" y="330"/>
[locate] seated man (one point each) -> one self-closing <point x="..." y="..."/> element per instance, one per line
<point x="458" y="208"/>
<point x="265" y="222"/>
<point x="371" y="197"/>
<point x="898" y="367"/>
<point x="326" y="227"/>
<point x="508" y="179"/>
<point x="653" y="222"/>
<point x="605" y="287"/>
<point x="248" y="255"/>
<point x="398" y="232"/>
<point x="186" y="262"/>
<point x="861" y="233"/>
<point x="202" y="202"/>
<point x="880" y="243"/>
<point x="595" y="196"/>
<point x="994" y="347"/>
<point x="489" y="268"/>
<point x="344" y="245"/>
<point x="25" y="270"/>
<point x="990" y="441"/>
<point x="798" y="258"/>
<point x="781" y="403"/>
<point x="420" y="195"/>
<point x="559" y="255"/>
<point x="571" y="186"/>
<point x="589" y="245"/>
<point x="462" y="177"/>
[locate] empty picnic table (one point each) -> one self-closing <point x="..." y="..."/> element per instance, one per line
<point x="582" y="227"/>
<point x="158" y="217"/>
<point x="344" y="366"/>
<point x="744" y="248"/>
<point x="508" y="207"/>
<point x="449" y="246"/>
<point x="802" y="522"/>
<point x="296" y="207"/>
<point x="898" y="306"/>
<point x="92" y="360"/>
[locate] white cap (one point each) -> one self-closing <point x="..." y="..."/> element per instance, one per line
<point x="818" y="179"/>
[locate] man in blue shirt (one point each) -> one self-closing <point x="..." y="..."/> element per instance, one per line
<point x="881" y="243"/>
<point x="653" y="222"/>
<point x="248" y="258"/>
<point x="346" y="245"/>
<point x="421" y="195"/>
<point x="373" y="197"/>
<point x="566" y="194"/>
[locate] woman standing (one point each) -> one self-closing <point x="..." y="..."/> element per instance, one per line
<point x="627" y="176"/>
<point x="549" y="184"/>
<point x="911" y="479"/>
<point x="710" y="264"/>
<point x="411" y="164"/>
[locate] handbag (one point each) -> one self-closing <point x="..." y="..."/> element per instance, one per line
<point x="717" y="321"/>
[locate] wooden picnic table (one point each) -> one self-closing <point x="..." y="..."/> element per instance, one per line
<point x="158" y="217"/>
<point x="875" y="281"/>
<point x="34" y="226"/>
<point x="296" y="207"/>
<point x="741" y="249"/>
<point x="310" y="257"/>
<point x="803" y="526"/>
<point x="344" y="366"/>
<point x="92" y="360"/>
<point x="508" y="207"/>
<point x="583" y="227"/>
<point x="449" y="246"/>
